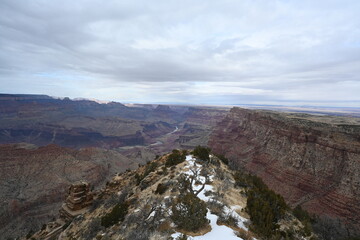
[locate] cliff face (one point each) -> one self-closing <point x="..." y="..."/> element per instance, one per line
<point x="310" y="163"/>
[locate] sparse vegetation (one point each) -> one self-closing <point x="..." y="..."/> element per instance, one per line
<point x="202" y="153"/>
<point x="216" y="207"/>
<point x="161" y="188"/>
<point x="93" y="228"/>
<point x="304" y="217"/>
<point x="150" y="167"/>
<point x="222" y="158"/>
<point x="228" y="219"/>
<point x="175" y="158"/>
<point x="117" y="214"/>
<point x="264" y="206"/>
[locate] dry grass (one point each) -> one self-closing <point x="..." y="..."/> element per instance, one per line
<point x="246" y="235"/>
<point x="165" y="227"/>
<point x="200" y="232"/>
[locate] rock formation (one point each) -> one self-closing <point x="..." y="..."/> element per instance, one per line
<point x="311" y="163"/>
<point x="78" y="200"/>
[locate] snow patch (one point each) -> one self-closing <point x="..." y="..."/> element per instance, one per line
<point x="217" y="232"/>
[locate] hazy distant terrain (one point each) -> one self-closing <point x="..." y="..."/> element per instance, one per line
<point x="49" y="143"/>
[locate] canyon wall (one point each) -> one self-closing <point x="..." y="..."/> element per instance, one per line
<point x="34" y="180"/>
<point x="311" y="163"/>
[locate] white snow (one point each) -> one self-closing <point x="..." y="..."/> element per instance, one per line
<point x="152" y="214"/>
<point x="217" y="232"/>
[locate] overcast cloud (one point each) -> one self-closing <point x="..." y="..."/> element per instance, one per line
<point x="204" y="52"/>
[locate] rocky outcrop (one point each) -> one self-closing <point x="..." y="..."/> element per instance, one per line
<point x="78" y="200"/>
<point x="314" y="164"/>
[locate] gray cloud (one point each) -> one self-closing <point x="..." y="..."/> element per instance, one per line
<point x="224" y="52"/>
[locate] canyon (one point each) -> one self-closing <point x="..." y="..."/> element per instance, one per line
<point x="47" y="143"/>
<point x="313" y="161"/>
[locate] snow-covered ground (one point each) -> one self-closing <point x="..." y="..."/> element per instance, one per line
<point x="217" y="232"/>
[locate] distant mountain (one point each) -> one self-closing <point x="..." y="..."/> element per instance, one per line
<point x="16" y="97"/>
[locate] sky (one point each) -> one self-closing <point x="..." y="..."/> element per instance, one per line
<point x="228" y="52"/>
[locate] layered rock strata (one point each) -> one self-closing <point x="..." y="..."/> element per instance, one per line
<point x="314" y="164"/>
<point x="78" y="200"/>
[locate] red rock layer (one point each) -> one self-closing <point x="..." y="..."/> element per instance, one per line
<point x="313" y="164"/>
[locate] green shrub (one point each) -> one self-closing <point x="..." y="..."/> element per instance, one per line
<point x="264" y="206"/>
<point x="242" y="179"/>
<point x="175" y="158"/>
<point x="189" y="213"/>
<point x="228" y="219"/>
<point x="304" y="217"/>
<point x="202" y="153"/>
<point x="116" y="215"/>
<point x="301" y="214"/>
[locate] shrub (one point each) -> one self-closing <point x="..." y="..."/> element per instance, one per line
<point x="202" y="153"/>
<point x="242" y="179"/>
<point x="184" y="184"/>
<point x="150" y="167"/>
<point x="175" y="158"/>
<point x="161" y="188"/>
<point x="301" y="214"/>
<point x="264" y="206"/>
<point x="65" y="226"/>
<point x="216" y="207"/>
<point x="182" y="237"/>
<point x="222" y="158"/>
<point x="117" y="214"/>
<point x="189" y="213"/>
<point x="219" y="173"/>
<point x="304" y="217"/>
<point x="228" y="219"/>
